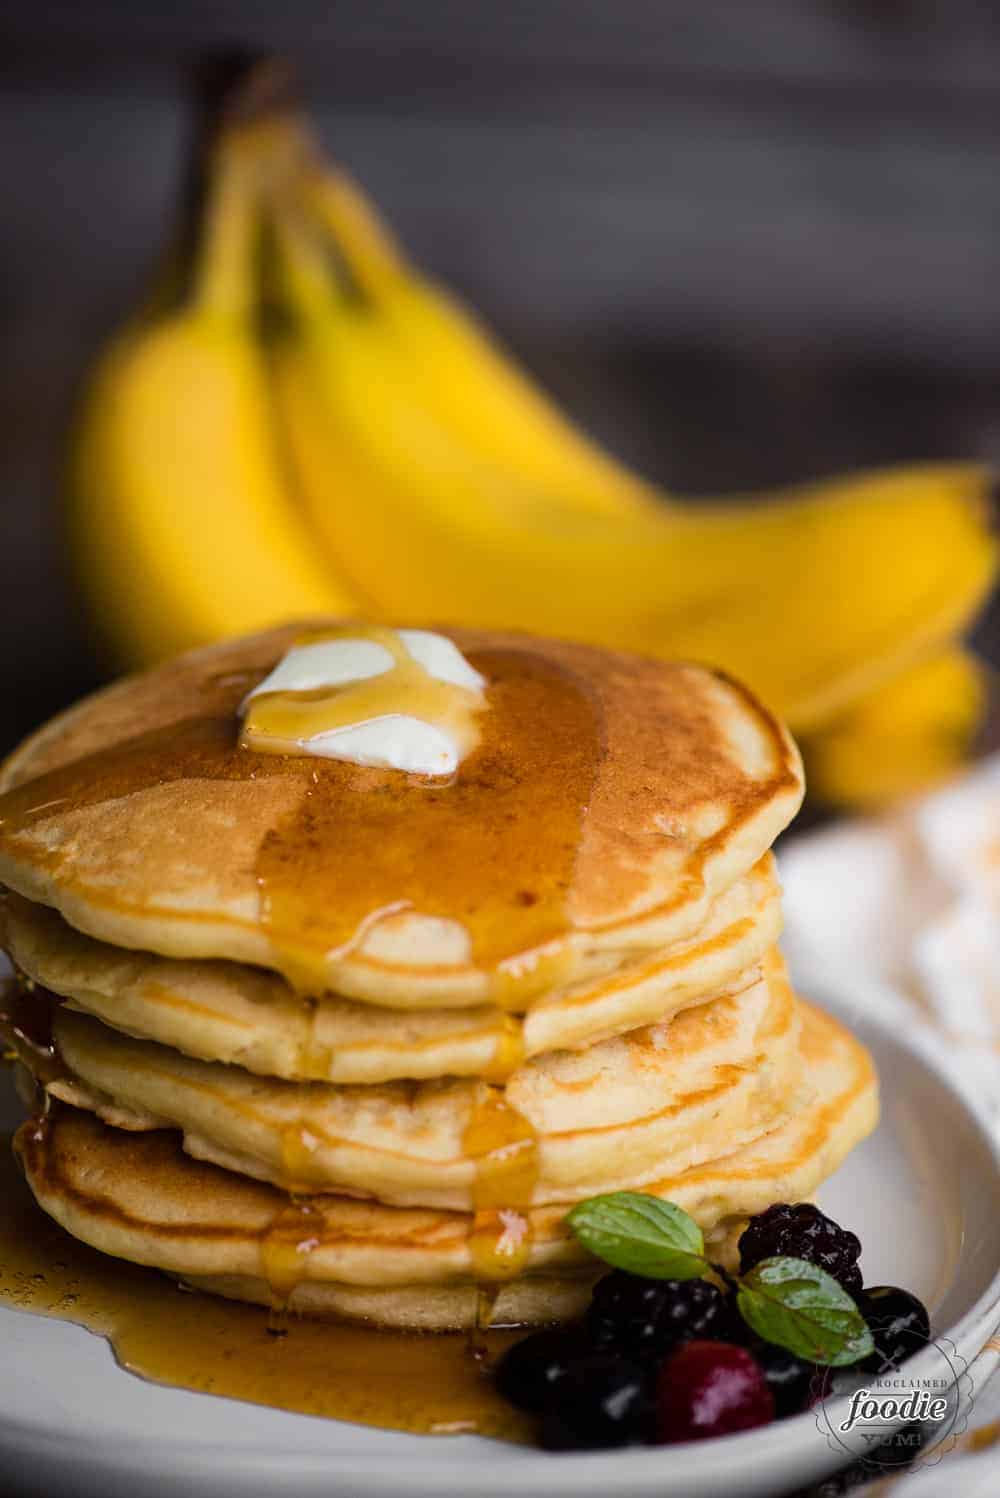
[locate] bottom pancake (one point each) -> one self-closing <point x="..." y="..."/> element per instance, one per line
<point x="140" y="1198"/>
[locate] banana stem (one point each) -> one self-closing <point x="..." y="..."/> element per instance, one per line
<point x="304" y="274"/>
<point x="224" y="279"/>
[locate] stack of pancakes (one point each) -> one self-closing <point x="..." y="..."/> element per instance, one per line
<point x="343" y="1039"/>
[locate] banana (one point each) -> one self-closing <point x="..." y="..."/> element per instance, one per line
<point x="834" y="588"/>
<point x="379" y="454"/>
<point x="180" y="521"/>
<point x="917" y="730"/>
<point x="793" y="595"/>
<point x="456" y="369"/>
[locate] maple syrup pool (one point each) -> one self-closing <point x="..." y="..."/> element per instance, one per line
<point x="429" y="1383"/>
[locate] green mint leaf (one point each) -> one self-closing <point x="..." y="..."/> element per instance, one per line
<point x="642" y="1234"/>
<point x="801" y="1307"/>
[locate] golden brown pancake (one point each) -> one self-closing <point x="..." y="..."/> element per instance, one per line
<point x="233" y="1012"/>
<point x="610" y="799"/>
<point x="612" y="1117"/>
<point x="139" y="1197"/>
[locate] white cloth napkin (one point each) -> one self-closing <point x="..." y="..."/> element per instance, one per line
<point x="911" y="900"/>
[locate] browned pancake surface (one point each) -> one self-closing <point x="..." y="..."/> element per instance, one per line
<point x="607" y="790"/>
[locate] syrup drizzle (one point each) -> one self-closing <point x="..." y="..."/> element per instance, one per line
<point x="509" y="1052"/>
<point x="291" y="1237"/>
<point x="504" y="1146"/>
<point x="494" y="849"/>
<point x="26" y="1020"/>
<point x="278" y="722"/>
<point x="284" y="1256"/>
<point x="314" y="1057"/>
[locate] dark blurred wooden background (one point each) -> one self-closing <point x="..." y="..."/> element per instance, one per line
<point x="745" y="243"/>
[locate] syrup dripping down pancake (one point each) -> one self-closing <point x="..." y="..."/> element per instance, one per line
<point x="608" y="1118"/>
<point x="231" y="1012"/>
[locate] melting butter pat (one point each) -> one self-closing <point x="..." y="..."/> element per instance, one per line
<point x="395" y="699"/>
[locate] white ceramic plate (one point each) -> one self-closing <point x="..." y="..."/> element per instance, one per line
<point x="922" y="1194"/>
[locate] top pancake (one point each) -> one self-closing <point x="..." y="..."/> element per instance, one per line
<point x="610" y="799"/>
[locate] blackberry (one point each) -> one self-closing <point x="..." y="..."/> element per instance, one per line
<point x="645" y="1318"/>
<point x="899" y="1325"/>
<point x="532" y="1371"/>
<point x="601" y="1402"/>
<point x="802" y="1231"/>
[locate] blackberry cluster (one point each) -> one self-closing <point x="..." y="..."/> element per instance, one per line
<point x="658" y="1361"/>
<point x="802" y="1231"/>
<point x="594" y="1385"/>
<point x="645" y="1318"/>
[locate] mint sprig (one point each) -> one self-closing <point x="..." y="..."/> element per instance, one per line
<point x="642" y="1234"/>
<point x="790" y="1302"/>
<point x="801" y="1307"/>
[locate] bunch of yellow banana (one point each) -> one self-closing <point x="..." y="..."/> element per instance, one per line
<point x="374" y="451"/>
<point x="912" y="732"/>
<point x="182" y="524"/>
